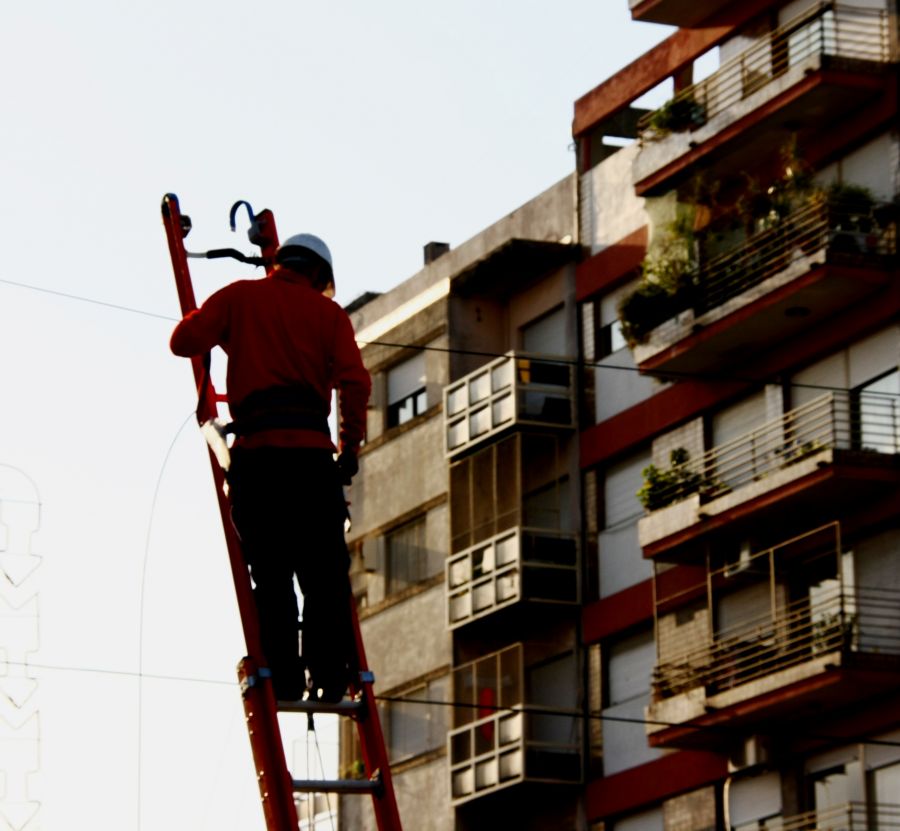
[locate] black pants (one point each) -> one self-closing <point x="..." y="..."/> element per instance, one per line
<point x="288" y="509"/>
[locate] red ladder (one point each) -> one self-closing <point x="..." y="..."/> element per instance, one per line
<point x="276" y="786"/>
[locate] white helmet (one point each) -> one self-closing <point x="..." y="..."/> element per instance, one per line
<point x="309" y="242"/>
<point x="299" y="247"/>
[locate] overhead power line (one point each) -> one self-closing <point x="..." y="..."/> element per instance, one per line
<point x="667" y="375"/>
<point x="83" y="299"/>
<point x="531" y="710"/>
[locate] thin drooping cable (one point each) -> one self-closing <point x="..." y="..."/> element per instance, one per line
<point x="666" y="375"/>
<point x="140" y="701"/>
<point x="69" y="296"/>
<point x="593" y="715"/>
<point x="525" y="709"/>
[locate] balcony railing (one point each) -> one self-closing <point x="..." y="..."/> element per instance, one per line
<point x="852" y="816"/>
<point x="495" y="744"/>
<point x="515" y="389"/>
<point x="837" y="420"/>
<point x="820" y="231"/>
<point x="817" y="226"/>
<point x="519" y="564"/>
<point x="843" y="35"/>
<point x="829" y="620"/>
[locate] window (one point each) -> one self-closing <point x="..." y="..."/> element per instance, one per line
<point x="875" y="406"/>
<point x="546" y="335"/>
<point x="629" y="668"/>
<point x="621" y="563"/>
<point x="409" y="560"/>
<point x="406" y="393"/>
<point x="414" y="728"/>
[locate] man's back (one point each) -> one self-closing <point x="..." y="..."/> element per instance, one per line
<point x="281" y="332"/>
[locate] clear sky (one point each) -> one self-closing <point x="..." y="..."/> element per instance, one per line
<point x="379" y="127"/>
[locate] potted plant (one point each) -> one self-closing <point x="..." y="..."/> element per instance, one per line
<point x="664" y="487"/>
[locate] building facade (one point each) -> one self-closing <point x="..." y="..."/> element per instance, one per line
<point x="625" y="534"/>
<point x="465" y="540"/>
<point x="739" y="307"/>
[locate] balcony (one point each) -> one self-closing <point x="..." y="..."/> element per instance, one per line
<point x="837" y="451"/>
<point x="802" y="78"/>
<point x="781" y="281"/>
<point x="513" y="391"/>
<point x="495" y="744"/>
<point x="518" y="565"/>
<point x="852" y="816"/>
<point x="785" y="633"/>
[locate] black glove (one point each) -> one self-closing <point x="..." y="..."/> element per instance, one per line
<point x="348" y="465"/>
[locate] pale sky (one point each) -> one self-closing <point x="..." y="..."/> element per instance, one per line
<point x="379" y="127"/>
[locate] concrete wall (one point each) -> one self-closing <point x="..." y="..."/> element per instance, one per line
<point x="408" y="639"/>
<point x="399" y="476"/>
<point x="550" y="216"/>
<point x="610" y="210"/>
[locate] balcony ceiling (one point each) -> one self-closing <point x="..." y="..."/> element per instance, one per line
<point x="513" y="265"/>
<point x="683" y="13"/>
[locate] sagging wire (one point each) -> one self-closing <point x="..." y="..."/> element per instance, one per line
<point x="666" y="375"/>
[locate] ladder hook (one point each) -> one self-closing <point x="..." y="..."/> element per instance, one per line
<point x="234" y="210"/>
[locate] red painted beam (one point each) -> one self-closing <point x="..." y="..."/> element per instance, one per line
<point x="663" y="60"/>
<point x="648" y="784"/>
<point x="618" y="612"/>
<point x="611" y="266"/>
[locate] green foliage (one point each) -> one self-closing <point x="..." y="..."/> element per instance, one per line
<point x="677" y="115"/>
<point x="663" y="487"/>
<point x="666" y="287"/>
<point x="643" y="310"/>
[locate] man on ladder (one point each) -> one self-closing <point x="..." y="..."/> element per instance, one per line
<point x="289" y="346"/>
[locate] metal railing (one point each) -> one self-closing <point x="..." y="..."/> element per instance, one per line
<point x="820" y="231"/>
<point x="828" y="620"/>
<point x="513" y="389"/>
<point x="819" y="225"/>
<point x="519" y="564"/>
<point x="839" y="420"/>
<point x="849" y="36"/>
<point x="852" y="816"/>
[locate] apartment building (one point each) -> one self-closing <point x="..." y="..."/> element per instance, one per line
<point x="628" y="503"/>
<point x="466" y="517"/>
<point x="738" y="310"/>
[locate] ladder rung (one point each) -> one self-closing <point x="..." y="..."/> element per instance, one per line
<point x="346" y="707"/>
<point x="340" y="786"/>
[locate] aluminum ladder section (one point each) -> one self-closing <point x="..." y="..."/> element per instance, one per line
<point x="276" y="786"/>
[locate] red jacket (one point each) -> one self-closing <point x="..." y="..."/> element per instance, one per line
<point x="280" y="331"/>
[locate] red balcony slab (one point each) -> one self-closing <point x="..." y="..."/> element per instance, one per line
<point x="831" y="480"/>
<point x="796" y="695"/>
<point x="798" y="298"/>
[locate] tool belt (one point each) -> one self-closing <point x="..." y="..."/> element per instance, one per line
<point x="294" y="407"/>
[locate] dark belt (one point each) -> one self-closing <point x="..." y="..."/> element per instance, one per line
<point x="279" y="408"/>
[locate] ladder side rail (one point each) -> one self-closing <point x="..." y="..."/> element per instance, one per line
<point x="274" y="779"/>
<point x="207" y="409"/>
<point x="371" y="736"/>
